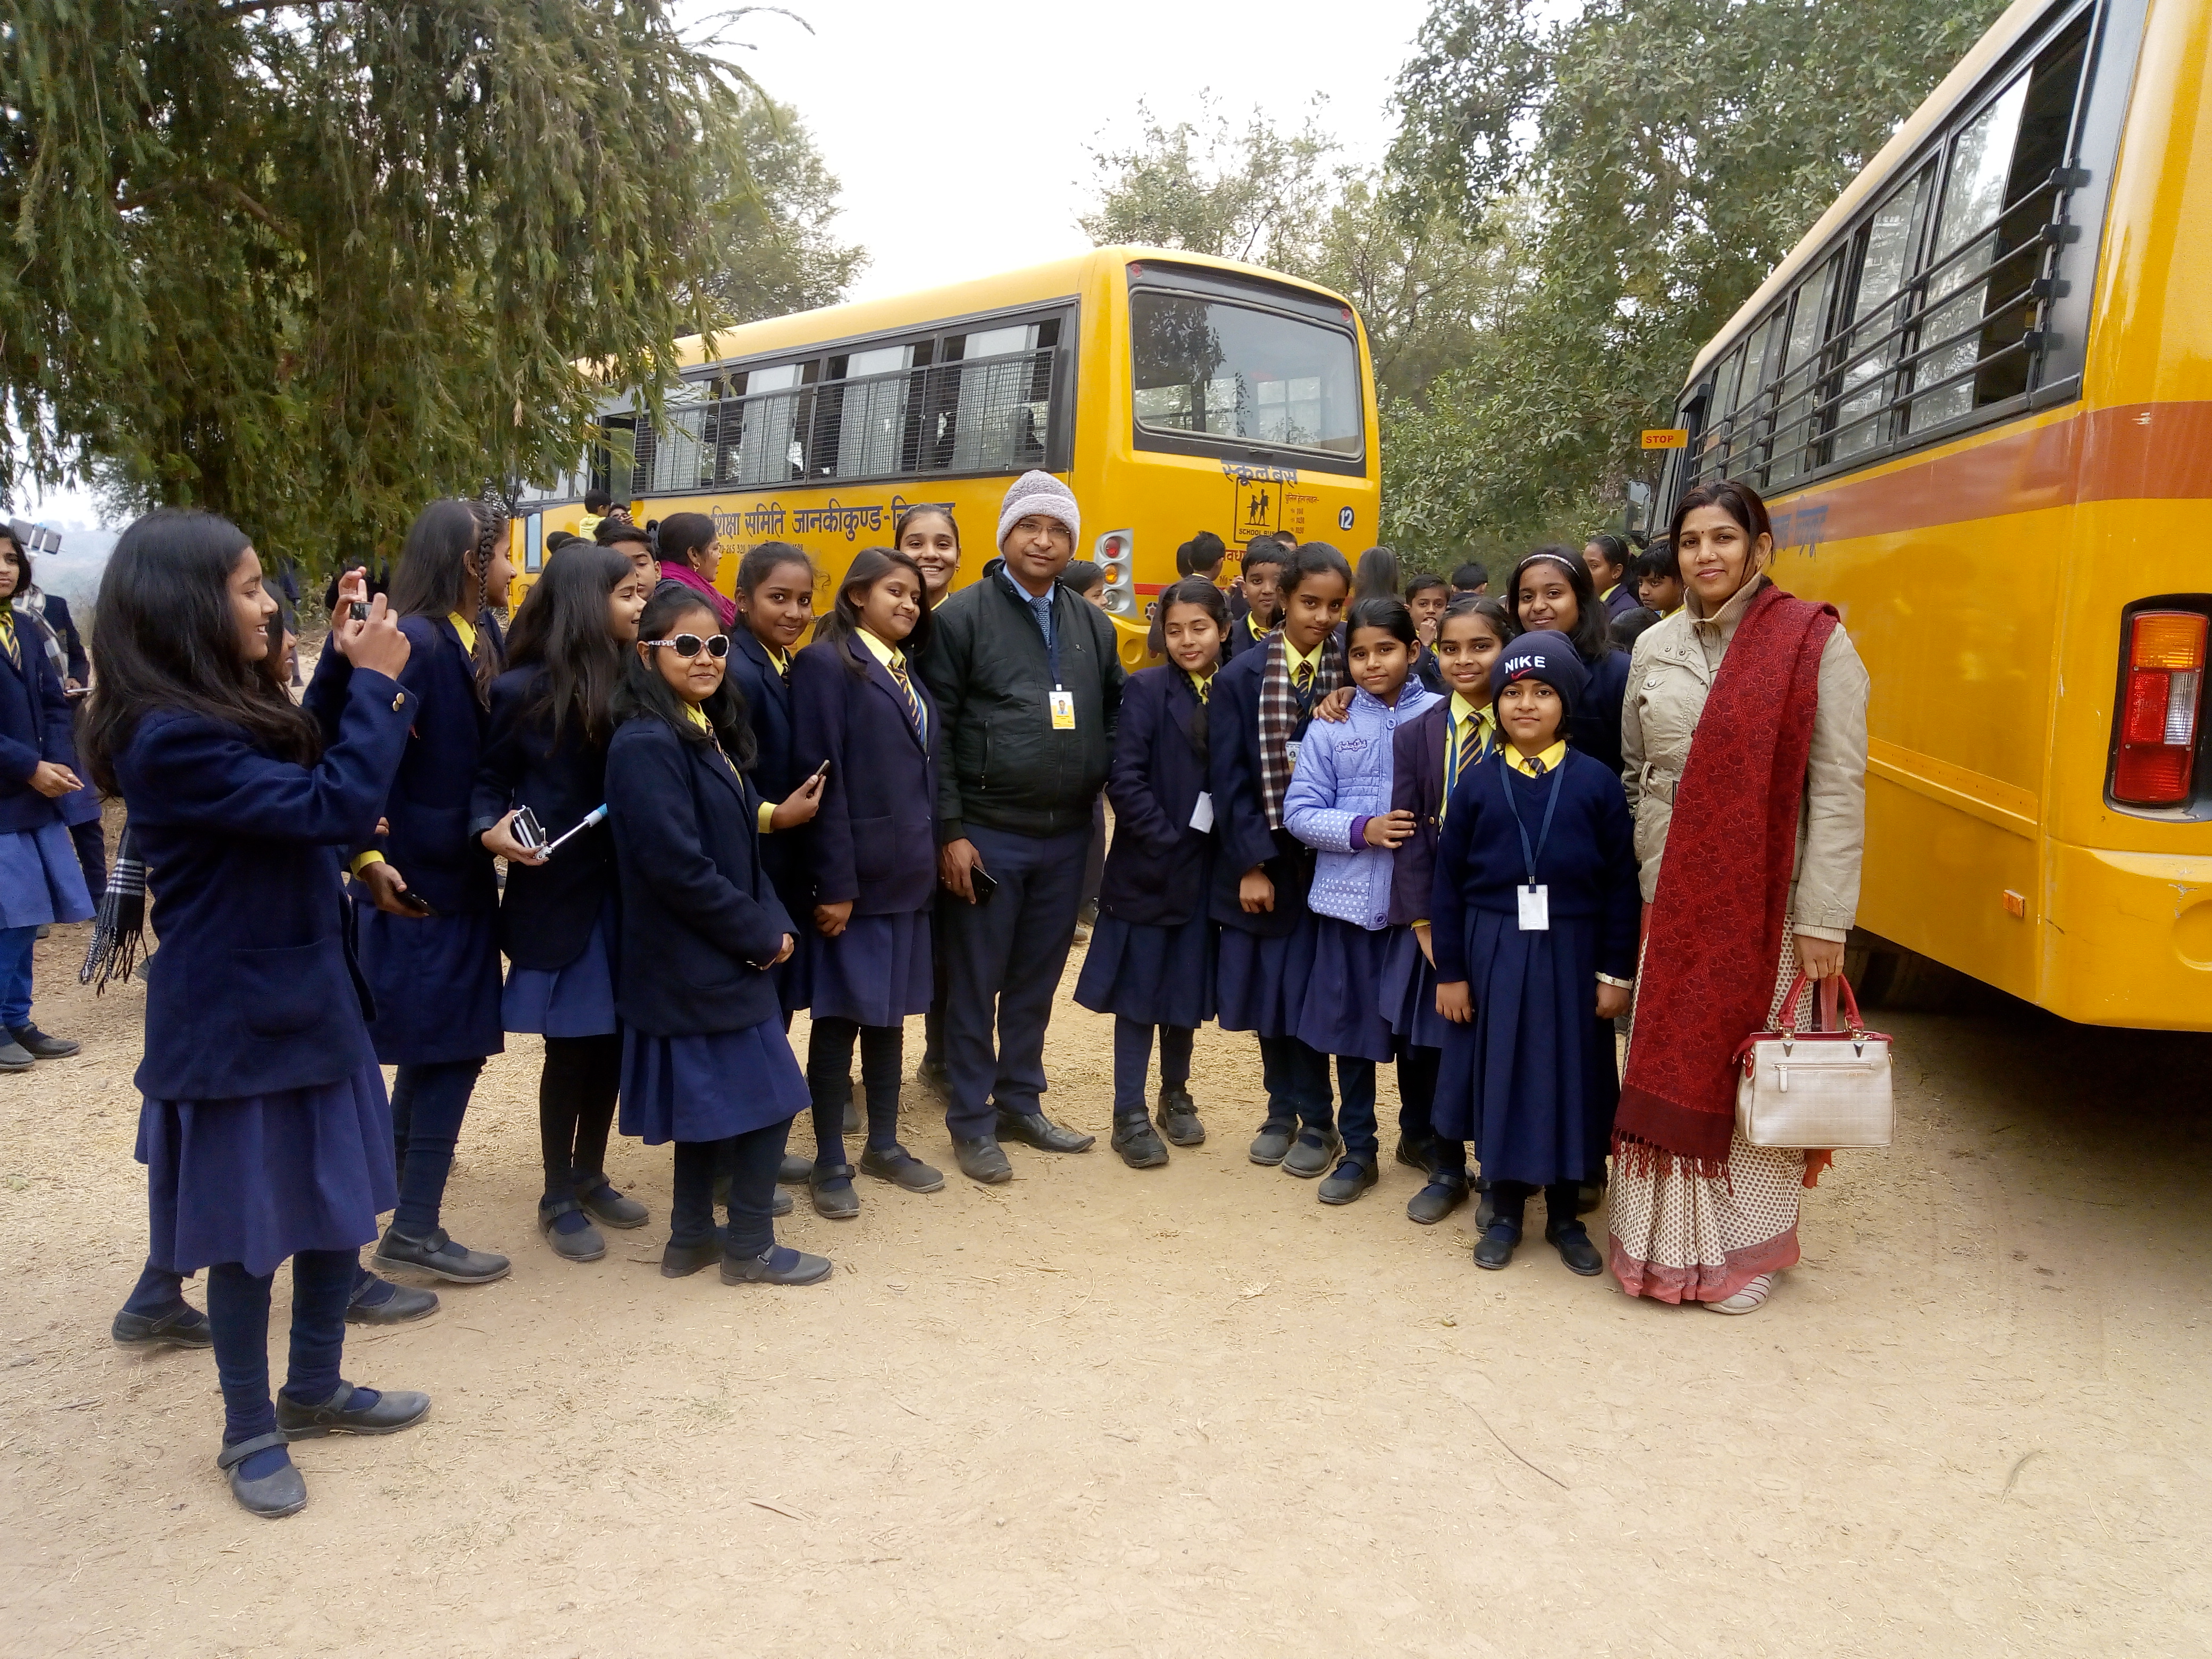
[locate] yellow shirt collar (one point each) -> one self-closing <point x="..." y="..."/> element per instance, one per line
<point x="1551" y="758"/>
<point x="465" y="629"/>
<point x="1294" y="658"/>
<point x="1462" y="711"/>
<point x="1252" y="625"/>
<point x="698" y="716"/>
<point x="884" y="654"/>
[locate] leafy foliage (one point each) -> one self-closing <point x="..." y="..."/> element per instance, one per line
<point x="769" y="234"/>
<point x="309" y="264"/>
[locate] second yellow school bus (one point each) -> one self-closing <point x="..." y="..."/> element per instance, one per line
<point x="1172" y="391"/>
<point x="1978" y="396"/>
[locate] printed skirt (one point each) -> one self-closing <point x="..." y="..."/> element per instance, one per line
<point x="875" y="973"/>
<point x="255" y="1179"/>
<point x="709" y="1086"/>
<point x="1155" y="976"/>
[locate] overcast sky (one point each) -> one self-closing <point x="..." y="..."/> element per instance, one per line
<point x="961" y="131"/>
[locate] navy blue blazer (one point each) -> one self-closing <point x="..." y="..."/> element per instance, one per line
<point x="1622" y="598"/>
<point x="1239" y="639"/>
<point x="254" y="990"/>
<point x="700" y="922"/>
<point x="1242" y="837"/>
<point x="35" y="727"/>
<point x="429" y="843"/>
<point x="1157" y="867"/>
<point x="775" y="772"/>
<point x="1595" y="726"/>
<point x="546" y="913"/>
<point x="874" y="840"/>
<point x="1417" y="786"/>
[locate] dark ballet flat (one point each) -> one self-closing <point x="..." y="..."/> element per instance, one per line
<point x="182" y="1327"/>
<point x="682" y="1261"/>
<point x="605" y="1205"/>
<point x="780" y="1265"/>
<point x="274" y="1496"/>
<point x="393" y="1409"/>
<point x="583" y="1244"/>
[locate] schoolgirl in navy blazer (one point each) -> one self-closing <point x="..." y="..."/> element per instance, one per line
<point x="547" y="911"/>
<point x="873" y="841"/>
<point x="775" y="591"/>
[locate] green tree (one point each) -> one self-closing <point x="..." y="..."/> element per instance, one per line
<point x="770" y="229"/>
<point x="308" y="263"/>
<point x="1674" y="151"/>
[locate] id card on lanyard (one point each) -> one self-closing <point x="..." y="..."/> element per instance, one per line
<point x="1535" y="902"/>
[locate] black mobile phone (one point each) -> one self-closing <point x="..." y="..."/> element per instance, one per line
<point x="821" y="771"/>
<point x="982" y="883"/>
<point x="414" y="901"/>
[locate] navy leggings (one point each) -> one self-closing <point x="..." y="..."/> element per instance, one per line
<point x="1417" y="1095"/>
<point x="576" y="1093"/>
<point x="1296" y="1080"/>
<point x="238" y="1320"/>
<point x="1132" y="1059"/>
<point x="428" y="1103"/>
<point x="829" y="1082"/>
<point x="752" y="1160"/>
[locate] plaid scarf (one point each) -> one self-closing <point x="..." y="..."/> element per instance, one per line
<point x="120" y="927"/>
<point x="1283" y="714"/>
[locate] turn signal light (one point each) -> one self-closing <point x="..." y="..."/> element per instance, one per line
<point x="2158" y="706"/>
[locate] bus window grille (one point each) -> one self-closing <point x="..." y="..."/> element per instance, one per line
<point x="641" y="455"/>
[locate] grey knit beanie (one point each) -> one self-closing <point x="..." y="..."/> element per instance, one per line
<point x="1040" y="493"/>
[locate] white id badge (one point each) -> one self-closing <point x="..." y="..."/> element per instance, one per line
<point x="1201" y="815"/>
<point x="1291" y="749"/>
<point x="1063" y="711"/>
<point x="1535" y="909"/>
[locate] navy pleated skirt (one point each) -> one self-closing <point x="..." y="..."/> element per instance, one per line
<point x="1156" y="975"/>
<point x="876" y="972"/>
<point x="1532" y="1080"/>
<point x="255" y="1178"/>
<point x="1259" y="983"/>
<point x="40" y="880"/>
<point x="436" y="984"/>
<point x="1343" y="1011"/>
<point x="794" y="975"/>
<point x="1409" y="993"/>
<point x="708" y="1087"/>
<point x="574" y="1000"/>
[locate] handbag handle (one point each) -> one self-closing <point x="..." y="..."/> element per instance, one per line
<point x="1851" y="1004"/>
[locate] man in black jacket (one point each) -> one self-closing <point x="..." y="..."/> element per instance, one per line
<point x="1028" y="683"/>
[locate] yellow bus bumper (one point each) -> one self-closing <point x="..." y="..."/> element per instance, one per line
<point x="2128" y="937"/>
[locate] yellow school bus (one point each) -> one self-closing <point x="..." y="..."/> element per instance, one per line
<point x="1173" y="392"/>
<point x="1978" y="397"/>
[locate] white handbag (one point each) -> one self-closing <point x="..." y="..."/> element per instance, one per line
<point x="1815" y="1089"/>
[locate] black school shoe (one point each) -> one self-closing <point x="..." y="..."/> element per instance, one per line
<point x="833" y="1197"/>
<point x="1272" y="1142"/>
<point x="14" y="1057"/>
<point x="1446" y="1191"/>
<point x="1035" y="1129"/>
<point x="1352" y="1177"/>
<point x="438" y="1255"/>
<point x="579" y="1244"/>
<point x="794" y="1170"/>
<point x="346" y="1413"/>
<point x="1572" y="1240"/>
<point x="404" y="1304"/>
<point x="932" y="1074"/>
<point x="903" y="1169"/>
<point x="1140" y="1149"/>
<point x="1178" y="1116"/>
<point x="606" y="1206"/>
<point x="981" y="1158"/>
<point x="1494" y="1249"/>
<point x="682" y="1261"/>
<point x="1312" y="1153"/>
<point x="1416" y="1154"/>
<point x="778" y="1265"/>
<point x="39" y="1046"/>
<point x="182" y="1326"/>
<point x="281" y="1492"/>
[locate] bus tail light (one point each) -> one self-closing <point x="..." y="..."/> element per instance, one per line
<point x="1116" y="555"/>
<point x="2160" y="695"/>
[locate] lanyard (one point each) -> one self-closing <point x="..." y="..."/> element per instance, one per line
<point x="1542" y="835"/>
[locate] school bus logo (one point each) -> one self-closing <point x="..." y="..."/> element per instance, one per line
<point x="1256" y="507"/>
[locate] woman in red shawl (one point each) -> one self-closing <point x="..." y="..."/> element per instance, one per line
<point x="1744" y="749"/>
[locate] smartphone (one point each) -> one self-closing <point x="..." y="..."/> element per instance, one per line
<point x="981" y="881"/>
<point x="414" y="901"/>
<point x="821" y="771"/>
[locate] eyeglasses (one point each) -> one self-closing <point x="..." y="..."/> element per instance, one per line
<point x="688" y="645"/>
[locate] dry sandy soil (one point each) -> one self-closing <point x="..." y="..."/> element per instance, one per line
<point x="1190" y="1411"/>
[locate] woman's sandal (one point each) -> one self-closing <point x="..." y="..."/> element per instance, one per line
<point x="1749" y="1299"/>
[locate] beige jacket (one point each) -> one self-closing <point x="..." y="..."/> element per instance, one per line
<point x="1670" y="675"/>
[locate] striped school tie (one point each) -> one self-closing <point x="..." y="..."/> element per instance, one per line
<point x="913" y="711"/>
<point x="1303" y="678"/>
<point x="8" y="636"/>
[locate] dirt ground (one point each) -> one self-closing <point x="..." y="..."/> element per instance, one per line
<point x="1190" y="1411"/>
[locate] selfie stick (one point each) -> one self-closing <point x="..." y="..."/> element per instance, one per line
<point x="590" y="818"/>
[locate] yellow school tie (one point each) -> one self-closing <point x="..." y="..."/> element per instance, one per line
<point x="914" y="710"/>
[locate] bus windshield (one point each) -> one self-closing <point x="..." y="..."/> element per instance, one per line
<point x="1211" y="367"/>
